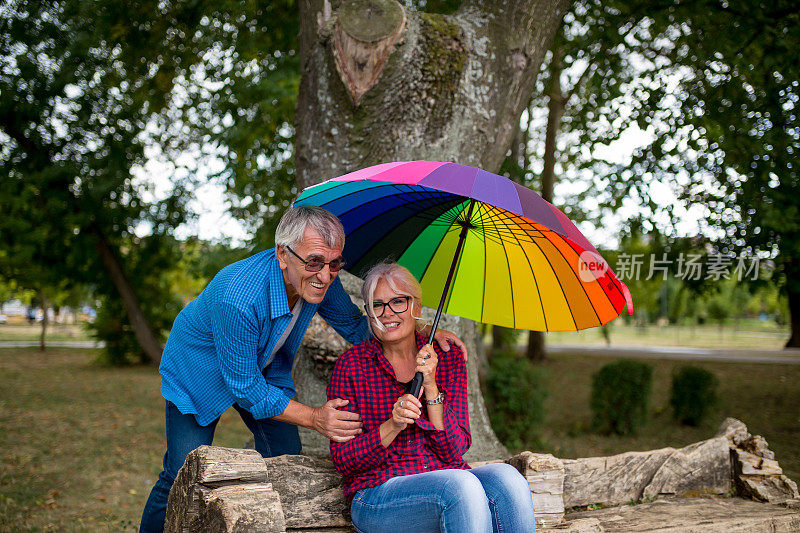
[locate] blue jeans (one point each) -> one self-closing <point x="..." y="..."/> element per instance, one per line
<point x="184" y="434"/>
<point x="493" y="497"/>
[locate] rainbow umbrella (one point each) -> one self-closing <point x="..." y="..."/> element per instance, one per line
<point x="482" y="246"/>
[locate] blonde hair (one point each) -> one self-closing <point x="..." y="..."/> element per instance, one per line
<point x="399" y="279"/>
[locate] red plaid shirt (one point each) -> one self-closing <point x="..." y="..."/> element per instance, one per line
<point x="364" y="376"/>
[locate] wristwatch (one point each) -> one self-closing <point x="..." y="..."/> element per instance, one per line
<point x="439" y="399"/>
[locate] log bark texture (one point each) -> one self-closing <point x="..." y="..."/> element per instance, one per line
<point x="312" y="490"/>
<point x="220" y="489"/>
<point x="223" y="490"/>
<point x="687" y="515"/>
<point x="629" y="477"/>
<point x="756" y="473"/>
<point x="545" y="476"/>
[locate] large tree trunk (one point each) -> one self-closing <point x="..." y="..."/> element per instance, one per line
<point x="141" y="329"/>
<point x="382" y="83"/>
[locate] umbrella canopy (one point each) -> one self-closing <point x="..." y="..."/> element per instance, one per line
<point x="513" y="258"/>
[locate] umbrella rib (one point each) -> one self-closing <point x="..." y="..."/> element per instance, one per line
<point x="483" y="292"/>
<point x="600" y="322"/>
<point x="535" y="281"/>
<point x="552" y="267"/>
<point x="430" y="259"/>
<point x="420" y="198"/>
<point x="508" y="268"/>
<point x="579" y="284"/>
<point x="418" y="214"/>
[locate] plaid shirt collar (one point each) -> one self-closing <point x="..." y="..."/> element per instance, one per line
<point x="374" y="349"/>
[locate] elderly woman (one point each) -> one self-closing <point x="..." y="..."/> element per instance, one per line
<point x="405" y="472"/>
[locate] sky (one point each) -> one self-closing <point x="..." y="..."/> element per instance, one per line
<point x="215" y="223"/>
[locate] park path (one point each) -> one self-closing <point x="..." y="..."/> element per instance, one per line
<point x="681" y="353"/>
<point x="789" y="356"/>
<point x="52" y="344"/>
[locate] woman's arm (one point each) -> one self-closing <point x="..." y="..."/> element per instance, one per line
<point x="449" y="436"/>
<point x="406" y="410"/>
<point x="366" y="451"/>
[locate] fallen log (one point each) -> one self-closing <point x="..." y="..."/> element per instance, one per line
<point x="225" y="490"/>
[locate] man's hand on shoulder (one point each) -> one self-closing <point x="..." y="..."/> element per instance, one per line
<point x="444" y="338"/>
<point x="337" y="425"/>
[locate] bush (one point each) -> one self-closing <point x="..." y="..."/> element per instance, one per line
<point x="515" y="393"/>
<point x="620" y="394"/>
<point x="694" y="392"/>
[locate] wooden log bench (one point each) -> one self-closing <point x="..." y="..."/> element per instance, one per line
<point x="226" y="490"/>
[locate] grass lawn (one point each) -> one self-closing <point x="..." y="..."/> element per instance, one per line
<point x="32" y="332"/>
<point x="81" y="444"/>
<point x="743" y="334"/>
<point x="766" y="397"/>
<point x="746" y="333"/>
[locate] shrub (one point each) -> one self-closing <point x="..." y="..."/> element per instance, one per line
<point x="620" y="394"/>
<point x="694" y="392"/>
<point x="515" y="393"/>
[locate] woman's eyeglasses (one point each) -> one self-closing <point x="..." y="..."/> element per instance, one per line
<point x="315" y="265"/>
<point x="397" y="305"/>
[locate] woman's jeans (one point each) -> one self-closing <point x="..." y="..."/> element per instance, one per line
<point x="493" y="497"/>
<point x="184" y="434"/>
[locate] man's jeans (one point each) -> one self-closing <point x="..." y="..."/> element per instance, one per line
<point x="184" y="434"/>
<point x="493" y="497"/>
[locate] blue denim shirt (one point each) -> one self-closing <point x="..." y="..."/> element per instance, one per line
<point x="220" y="342"/>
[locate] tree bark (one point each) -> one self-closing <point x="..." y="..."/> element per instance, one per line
<point x="451" y="88"/>
<point x="141" y="329"/>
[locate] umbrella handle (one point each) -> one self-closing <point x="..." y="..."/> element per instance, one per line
<point x="416" y="381"/>
<point x="466" y="224"/>
<point x="416" y="384"/>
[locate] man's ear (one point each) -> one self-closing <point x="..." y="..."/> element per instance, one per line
<point x="280" y="253"/>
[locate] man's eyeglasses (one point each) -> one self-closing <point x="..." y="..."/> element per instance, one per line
<point x="397" y="305"/>
<point x="315" y="265"/>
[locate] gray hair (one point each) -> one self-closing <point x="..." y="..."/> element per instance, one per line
<point x="296" y="220"/>
<point x="399" y="279"/>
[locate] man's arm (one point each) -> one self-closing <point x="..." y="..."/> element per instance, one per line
<point x="337" y="425"/>
<point x="236" y="342"/>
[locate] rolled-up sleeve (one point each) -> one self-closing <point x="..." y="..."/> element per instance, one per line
<point x="236" y="342"/>
<point x="455" y="439"/>
<point x="364" y="452"/>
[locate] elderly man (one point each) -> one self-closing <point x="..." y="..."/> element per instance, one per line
<point x="234" y="345"/>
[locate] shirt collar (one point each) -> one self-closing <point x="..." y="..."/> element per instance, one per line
<point x="375" y="350"/>
<point x="278" y="301"/>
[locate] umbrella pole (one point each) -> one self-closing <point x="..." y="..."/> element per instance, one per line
<point x="466" y="224"/>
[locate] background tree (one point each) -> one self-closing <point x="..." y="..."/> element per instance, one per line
<point x="710" y="89"/>
<point x="79" y="91"/>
